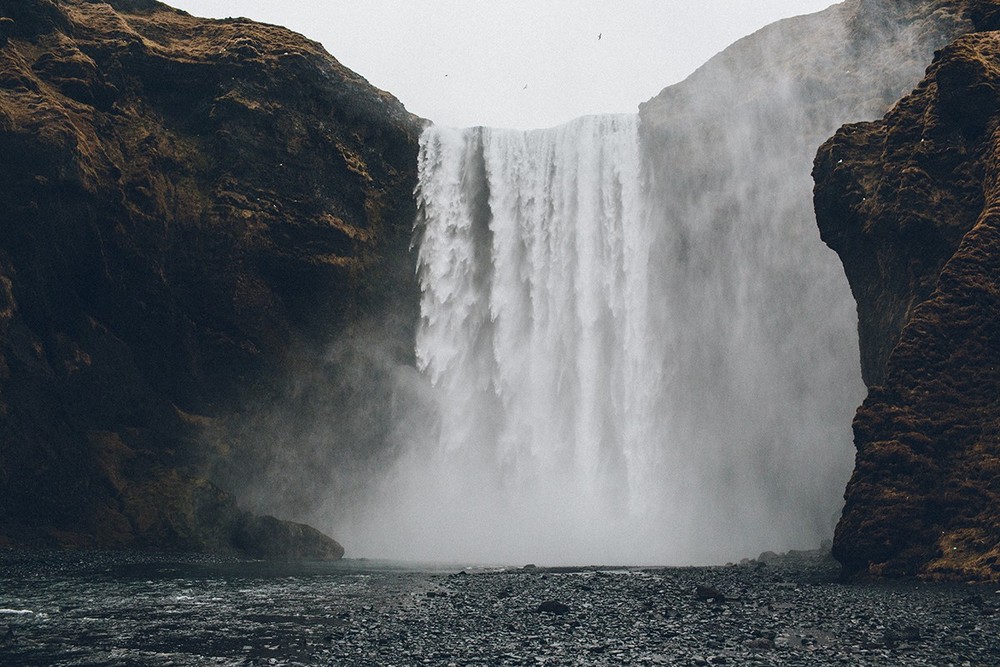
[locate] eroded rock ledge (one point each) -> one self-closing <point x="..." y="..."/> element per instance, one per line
<point x="188" y="209"/>
<point x="911" y="203"/>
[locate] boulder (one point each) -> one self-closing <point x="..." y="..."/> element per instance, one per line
<point x="269" y="538"/>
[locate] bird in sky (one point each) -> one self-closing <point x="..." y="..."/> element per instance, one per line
<point x="599" y="36"/>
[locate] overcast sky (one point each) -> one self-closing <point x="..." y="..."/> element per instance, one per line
<point x="517" y="63"/>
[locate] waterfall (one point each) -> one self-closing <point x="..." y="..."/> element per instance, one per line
<point x="613" y="376"/>
<point x="533" y="264"/>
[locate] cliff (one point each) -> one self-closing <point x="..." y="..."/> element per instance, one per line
<point x="206" y="284"/>
<point x="190" y="211"/>
<point x="911" y="204"/>
<point x="768" y="357"/>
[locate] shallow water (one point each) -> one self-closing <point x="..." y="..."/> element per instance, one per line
<point x="127" y="609"/>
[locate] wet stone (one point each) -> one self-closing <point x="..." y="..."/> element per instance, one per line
<point x="553" y="607"/>
<point x="115" y="610"/>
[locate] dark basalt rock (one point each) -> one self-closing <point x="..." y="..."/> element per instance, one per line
<point x="910" y="204"/>
<point x="707" y="593"/>
<point x="553" y="607"/>
<point x="189" y="211"/>
<point x="271" y="539"/>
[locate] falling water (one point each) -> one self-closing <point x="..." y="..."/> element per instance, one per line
<point x="633" y="345"/>
<point x="583" y="407"/>
<point x="534" y="332"/>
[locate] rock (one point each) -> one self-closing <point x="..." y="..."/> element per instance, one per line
<point x="191" y="210"/>
<point x="909" y="203"/>
<point x="975" y="600"/>
<point x="553" y="607"/>
<point x="6" y="29"/>
<point x="909" y="633"/>
<point x="269" y="538"/>
<point x="708" y="593"/>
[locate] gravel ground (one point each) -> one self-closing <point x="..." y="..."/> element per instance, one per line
<point x="108" y="609"/>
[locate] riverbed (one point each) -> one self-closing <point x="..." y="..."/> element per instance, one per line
<point x="98" y="608"/>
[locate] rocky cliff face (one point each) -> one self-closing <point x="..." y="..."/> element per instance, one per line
<point x="911" y="205"/>
<point x="189" y="211"/>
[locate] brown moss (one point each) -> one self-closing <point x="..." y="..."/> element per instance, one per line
<point x="921" y="249"/>
<point x="188" y="208"/>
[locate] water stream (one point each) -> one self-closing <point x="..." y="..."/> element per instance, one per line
<point x="608" y="380"/>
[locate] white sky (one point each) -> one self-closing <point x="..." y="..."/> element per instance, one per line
<point x="517" y="63"/>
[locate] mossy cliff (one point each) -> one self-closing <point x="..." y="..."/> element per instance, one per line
<point x="911" y="203"/>
<point x="190" y="210"/>
<point x="202" y="222"/>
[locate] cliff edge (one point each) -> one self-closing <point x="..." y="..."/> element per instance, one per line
<point x="911" y="203"/>
<point x="189" y="210"/>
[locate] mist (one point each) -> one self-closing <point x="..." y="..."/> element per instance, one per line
<point x="633" y="347"/>
<point x="624" y="370"/>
